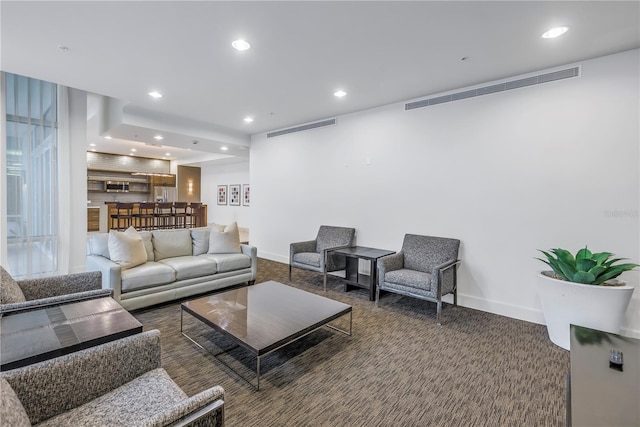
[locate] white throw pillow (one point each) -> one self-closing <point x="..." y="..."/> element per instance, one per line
<point x="225" y="242"/>
<point x="127" y="248"/>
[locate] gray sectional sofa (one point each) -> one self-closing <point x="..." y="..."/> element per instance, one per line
<point x="178" y="265"/>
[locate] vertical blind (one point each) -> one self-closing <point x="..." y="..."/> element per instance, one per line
<point x="31" y="168"/>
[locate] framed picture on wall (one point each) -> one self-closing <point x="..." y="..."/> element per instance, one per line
<point x="234" y="195"/>
<point x="222" y="194"/>
<point x="246" y="195"/>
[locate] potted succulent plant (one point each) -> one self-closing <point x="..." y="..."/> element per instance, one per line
<point x="582" y="290"/>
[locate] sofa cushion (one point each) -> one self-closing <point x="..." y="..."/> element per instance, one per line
<point x="147" y="275"/>
<point x="127" y="248"/>
<point x="171" y="243"/>
<point x="412" y="278"/>
<point x="148" y="245"/>
<point x="187" y="267"/>
<point x="10" y="291"/>
<point x="12" y="412"/>
<point x="123" y="406"/>
<point x="200" y="240"/>
<point x="98" y="244"/>
<point x="227" y="241"/>
<point x="308" y="258"/>
<point x="229" y="262"/>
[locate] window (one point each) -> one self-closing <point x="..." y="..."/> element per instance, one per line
<point x="31" y="156"/>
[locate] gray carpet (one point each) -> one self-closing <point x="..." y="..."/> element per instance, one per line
<point x="398" y="369"/>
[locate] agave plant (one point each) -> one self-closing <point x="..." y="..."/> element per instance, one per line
<point x="586" y="267"/>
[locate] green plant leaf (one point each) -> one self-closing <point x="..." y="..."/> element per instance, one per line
<point x="601" y="257"/>
<point x="583" y="254"/>
<point x="583" y="277"/>
<point x="614" y="272"/>
<point x="565" y="257"/>
<point x="584" y="264"/>
<point x="597" y="270"/>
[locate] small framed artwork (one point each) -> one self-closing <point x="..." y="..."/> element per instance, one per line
<point x="246" y="195"/>
<point x="234" y="195"/>
<point x="222" y="194"/>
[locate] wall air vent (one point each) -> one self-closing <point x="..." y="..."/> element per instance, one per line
<point x="500" y="87"/>
<point x="328" y="122"/>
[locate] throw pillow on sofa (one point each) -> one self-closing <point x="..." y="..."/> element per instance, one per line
<point x="225" y="242"/>
<point x="127" y="248"/>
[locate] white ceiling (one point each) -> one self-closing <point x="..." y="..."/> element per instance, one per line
<point x="302" y="51"/>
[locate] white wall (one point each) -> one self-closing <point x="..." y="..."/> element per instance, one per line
<point x="552" y="165"/>
<point x="224" y="174"/>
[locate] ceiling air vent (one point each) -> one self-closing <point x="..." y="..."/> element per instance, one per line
<point x="302" y="127"/>
<point x="500" y="87"/>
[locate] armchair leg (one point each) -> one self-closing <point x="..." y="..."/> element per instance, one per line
<point x="289" y="272"/>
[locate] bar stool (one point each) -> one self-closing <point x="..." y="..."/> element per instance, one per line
<point x="145" y="218"/>
<point x="195" y="211"/>
<point x="180" y="215"/>
<point x="124" y="214"/>
<point x="163" y="215"/>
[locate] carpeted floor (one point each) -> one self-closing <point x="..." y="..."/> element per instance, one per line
<point x="398" y="369"/>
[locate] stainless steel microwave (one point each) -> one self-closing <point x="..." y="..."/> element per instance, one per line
<point x="116" y="187"/>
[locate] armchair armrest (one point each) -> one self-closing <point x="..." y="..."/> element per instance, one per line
<point x="53" y="301"/>
<point x="54" y="386"/>
<point x="60" y="285"/>
<point x="205" y="408"/>
<point x="306" y="246"/>
<point x="442" y="284"/>
<point x="390" y="263"/>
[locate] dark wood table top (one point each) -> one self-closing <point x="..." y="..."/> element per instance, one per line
<point x="265" y="316"/>
<point x="363" y="252"/>
<point x="38" y="335"/>
<point x="605" y="378"/>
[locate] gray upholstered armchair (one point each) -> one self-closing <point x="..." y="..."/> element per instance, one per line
<point x="119" y="383"/>
<point x="425" y="268"/>
<point x="312" y="254"/>
<point x="45" y="292"/>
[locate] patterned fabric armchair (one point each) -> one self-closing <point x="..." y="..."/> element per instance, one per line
<point x="38" y="293"/>
<point x="119" y="383"/>
<point x="425" y="268"/>
<point x="312" y="254"/>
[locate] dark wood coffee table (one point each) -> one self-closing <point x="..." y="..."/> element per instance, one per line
<point x="37" y="335"/>
<point x="265" y="317"/>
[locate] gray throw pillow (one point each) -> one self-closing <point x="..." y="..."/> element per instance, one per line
<point x="10" y="292"/>
<point x="225" y="242"/>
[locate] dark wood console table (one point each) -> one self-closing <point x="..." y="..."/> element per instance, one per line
<point x="37" y="335"/>
<point x="352" y="275"/>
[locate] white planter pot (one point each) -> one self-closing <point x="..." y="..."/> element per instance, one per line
<point x="565" y="303"/>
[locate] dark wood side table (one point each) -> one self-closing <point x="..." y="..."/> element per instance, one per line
<point x="352" y="275"/>
<point x="37" y="335"/>
<point x="604" y="386"/>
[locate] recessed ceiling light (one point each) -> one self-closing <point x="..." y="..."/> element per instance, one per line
<point x="107" y="137"/>
<point x="248" y="119"/>
<point x="240" y="44"/>
<point x="158" y="137"/>
<point x="555" y="32"/>
<point x="224" y="148"/>
<point x="155" y="94"/>
<point x="134" y="150"/>
<point x="339" y="93"/>
<point x="92" y="145"/>
<point x="167" y="154"/>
